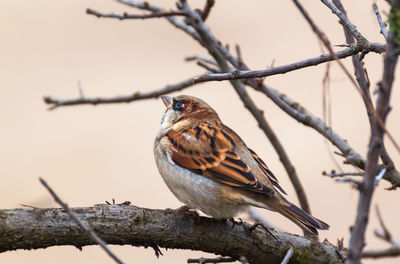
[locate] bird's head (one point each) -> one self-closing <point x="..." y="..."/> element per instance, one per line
<point x="183" y="111"/>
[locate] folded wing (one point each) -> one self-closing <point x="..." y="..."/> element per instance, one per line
<point x="208" y="150"/>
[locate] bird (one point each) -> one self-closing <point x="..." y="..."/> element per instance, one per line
<point x="208" y="167"/>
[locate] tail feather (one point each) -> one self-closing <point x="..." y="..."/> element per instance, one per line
<point x="305" y="221"/>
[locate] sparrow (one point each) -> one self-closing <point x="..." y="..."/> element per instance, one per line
<point x="208" y="167"/>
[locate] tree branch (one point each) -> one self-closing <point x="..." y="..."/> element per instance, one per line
<point x="207" y="9"/>
<point x="345" y="21"/>
<point x="382" y="24"/>
<point x="129" y="16"/>
<point x="247" y="74"/>
<point x="376" y="140"/>
<point x="55" y="102"/>
<point x="131" y="225"/>
<point x="89" y="231"/>
<point x="173" y="20"/>
<point x="298" y="112"/>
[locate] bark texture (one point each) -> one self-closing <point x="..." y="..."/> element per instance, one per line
<point x="131" y="225"/>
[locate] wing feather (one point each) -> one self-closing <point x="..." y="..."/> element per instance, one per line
<point x="267" y="172"/>
<point x="208" y="150"/>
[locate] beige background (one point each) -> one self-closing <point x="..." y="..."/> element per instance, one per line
<point x="92" y="154"/>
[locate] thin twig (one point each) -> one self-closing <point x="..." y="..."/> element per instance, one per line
<point x="288" y="256"/>
<point x="393" y="251"/>
<point x="201" y="58"/>
<point x="172" y="19"/>
<point x="204" y="62"/>
<point x="360" y="39"/>
<point x="382" y="24"/>
<point x="247" y="74"/>
<point x="87" y="228"/>
<point x="207" y="66"/>
<point x="345" y="20"/>
<point x="327" y="111"/>
<point x="207" y="9"/>
<point x="55" y="102"/>
<point x="386" y="234"/>
<point x="356" y="184"/>
<point x="130" y="16"/>
<point x="384" y="253"/>
<point x="363" y="82"/>
<point x="211" y="260"/>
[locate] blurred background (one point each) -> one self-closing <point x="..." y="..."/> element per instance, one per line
<point x="90" y="154"/>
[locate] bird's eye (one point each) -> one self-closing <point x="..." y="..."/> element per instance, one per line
<point x="177" y="106"/>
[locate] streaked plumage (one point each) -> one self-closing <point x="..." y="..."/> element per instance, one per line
<point x="207" y="166"/>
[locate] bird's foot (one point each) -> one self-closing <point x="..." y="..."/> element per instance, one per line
<point x="255" y="225"/>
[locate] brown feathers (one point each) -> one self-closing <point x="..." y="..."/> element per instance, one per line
<point x="198" y="147"/>
<point x="208" y="149"/>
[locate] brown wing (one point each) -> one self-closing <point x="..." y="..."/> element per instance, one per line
<point x="267" y="172"/>
<point x="207" y="150"/>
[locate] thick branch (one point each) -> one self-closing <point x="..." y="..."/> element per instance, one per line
<point x="173" y="20"/>
<point x="382" y="24"/>
<point x="345" y="21"/>
<point x="130" y="225"/>
<point x="130" y="16"/>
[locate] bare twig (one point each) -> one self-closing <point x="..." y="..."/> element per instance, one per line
<point x="80" y="90"/>
<point x="327" y="111"/>
<point x="321" y="35"/>
<point x="385" y="234"/>
<point x="211" y="260"/>
<point x="363" y="82"/>
<point x="356" y="184"/>
<point x="344" y="19"/>
<point x="384" y="253"/>
<point x="334" y="174"/>
<point x="207" y="9"/>
<point x="55" y="102"/>
<point x="130" y="16"/>
<point x="376" y="141"/>
<point x="247" y="74"/>
<point x="393" y="251"/>
<point x="207" y="66"/>
<point x="288" y="256"/>
<point x="358" y="65"/>
<point x="90" y="232"/>
<point x="382" y="24"/>
<point x="173" y="20"/>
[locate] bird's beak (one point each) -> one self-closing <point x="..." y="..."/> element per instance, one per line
<point x="167" y="100"/>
